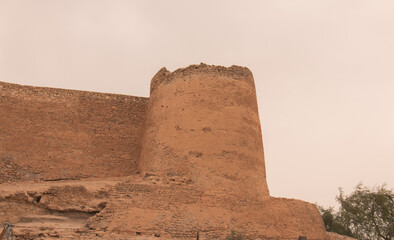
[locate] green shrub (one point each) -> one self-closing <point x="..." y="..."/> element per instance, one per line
<point x="366" y="214"/>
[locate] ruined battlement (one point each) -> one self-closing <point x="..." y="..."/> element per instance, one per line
<point x="60" y="95"/>
<point x="163" y="76"/>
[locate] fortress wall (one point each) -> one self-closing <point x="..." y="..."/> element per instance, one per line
<point x="203" y="124"/>
<point x="196" y="142"/>
<point x="52" y="134"/>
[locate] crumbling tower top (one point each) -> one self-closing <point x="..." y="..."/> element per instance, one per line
<point x="163" y="76"/>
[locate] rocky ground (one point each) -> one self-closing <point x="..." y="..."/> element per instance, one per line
<point x="127" y="208"/>
<point x="55" y="209"/>
<point x="147" y="207"/>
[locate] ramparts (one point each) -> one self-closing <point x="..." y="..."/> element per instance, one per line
<point x="200" y="122"/>
<point x="193" y="152"/>
<point x="52" y="134"/>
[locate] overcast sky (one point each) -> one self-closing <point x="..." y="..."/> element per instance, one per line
<point x="324" y="71"/>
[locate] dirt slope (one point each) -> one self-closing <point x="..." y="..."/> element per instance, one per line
<point x="150" y="207"/>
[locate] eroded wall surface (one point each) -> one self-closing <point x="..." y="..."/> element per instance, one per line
<point x="177" y="209"/>
<point x="203" y="123"/>
<point x="51" y="134"/>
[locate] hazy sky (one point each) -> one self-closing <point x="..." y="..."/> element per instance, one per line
<point x="324" y="71"/>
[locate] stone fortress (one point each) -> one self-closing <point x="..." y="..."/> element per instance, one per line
<point x="185" y="163"/>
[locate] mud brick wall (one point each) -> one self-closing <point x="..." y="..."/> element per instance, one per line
<point x="203" y="123"/>
<point x="52" y="134"/>
<point x="177" y="209"/>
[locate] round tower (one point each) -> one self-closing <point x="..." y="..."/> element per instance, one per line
<point x="203" y="125"/>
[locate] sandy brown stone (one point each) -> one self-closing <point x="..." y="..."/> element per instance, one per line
<point x="53" y="134"/>
<point x="188" y="161"/>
